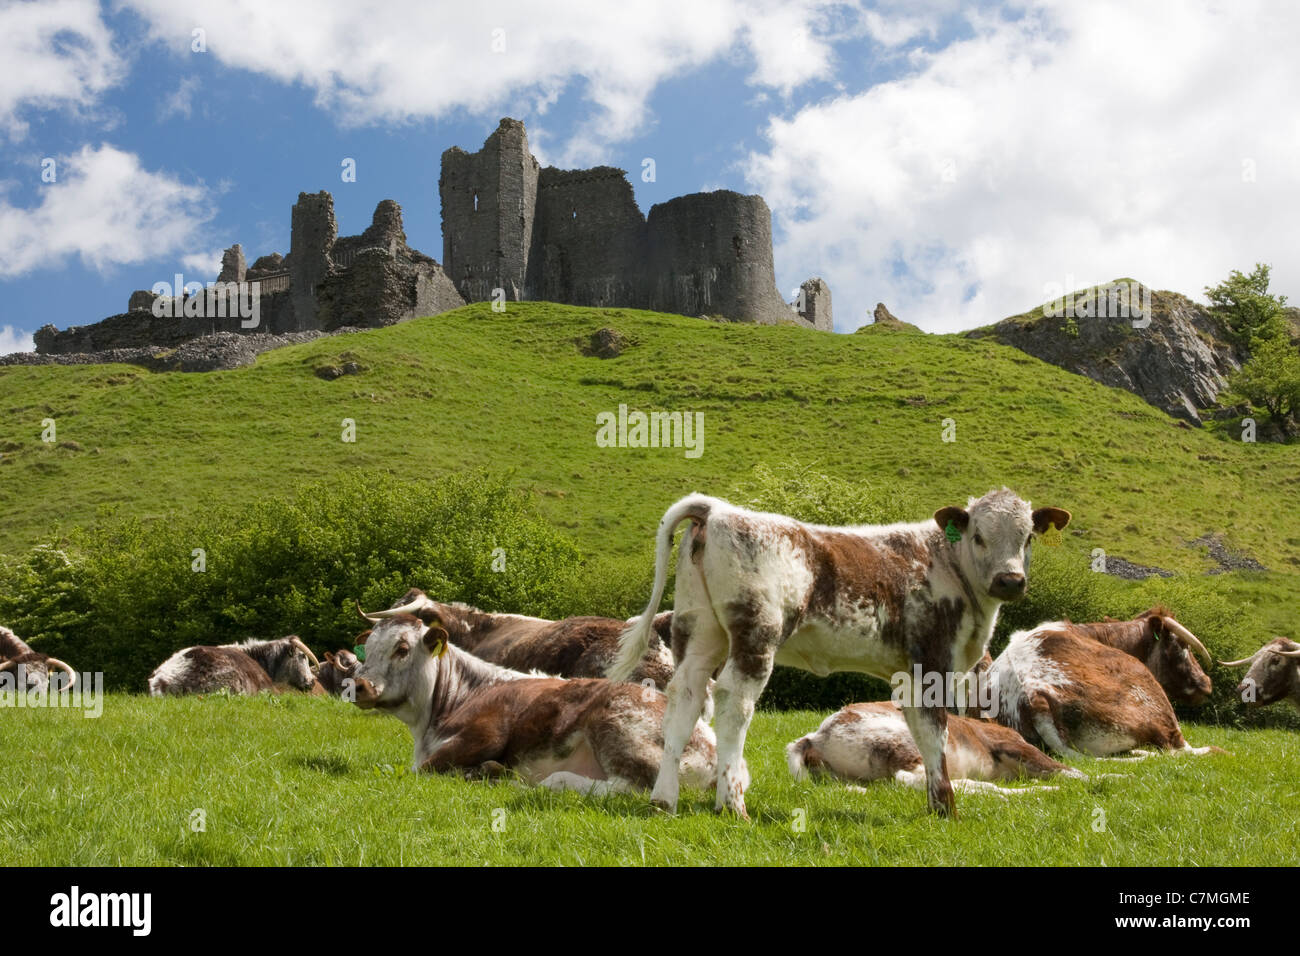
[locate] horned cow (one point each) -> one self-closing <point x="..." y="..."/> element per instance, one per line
<point x="1274" y="674"/>
<point x="478" y="718"/>
<point x="245" y="668"/>
<point x="1064" y="691"/>
<point x="31" y="668"/>
<point x="754" y="590"/>
<point x="1168" y="649"/>
<point x="572" y="647"/>
<point x="866" y="742"/>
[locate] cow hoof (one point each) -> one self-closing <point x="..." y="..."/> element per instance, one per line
<point x="738" y="811"/>
<point x="663" y="806"/>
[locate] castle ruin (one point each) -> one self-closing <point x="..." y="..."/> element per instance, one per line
<point x="512" y="230"/>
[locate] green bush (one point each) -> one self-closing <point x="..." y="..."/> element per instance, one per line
<point x="121" y="596"/>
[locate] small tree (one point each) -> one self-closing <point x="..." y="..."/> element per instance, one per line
<point x="1246" y="307"/>
<point x="1271" y="379"/>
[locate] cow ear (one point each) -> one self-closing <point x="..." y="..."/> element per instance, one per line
<point x="429" y="616"/>
<point x="361" y="638"/>
<point x="329" y="656"/>
<point x="435" y="639"/>
<point x="1056" y="517"/>
<point x="959" y="517"/>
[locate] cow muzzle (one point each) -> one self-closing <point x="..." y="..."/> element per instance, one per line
<point x="1008" y="586"/>
<point x="367" y="698"/>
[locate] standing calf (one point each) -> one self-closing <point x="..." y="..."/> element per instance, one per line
<point x="865" y="742"/>
<point x="468" y="715"/>
<point x="245" y="668"/>
<point x="31" y="667"/>
<point x="1274" y="674"/>
<point x="757" y="589"/>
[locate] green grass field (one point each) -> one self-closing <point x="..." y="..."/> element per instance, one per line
<point x="307" y="782"/>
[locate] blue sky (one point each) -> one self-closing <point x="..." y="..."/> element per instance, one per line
<point x="953" y="161"/>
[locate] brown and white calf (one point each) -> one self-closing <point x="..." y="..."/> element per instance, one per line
<point x="246" y="668"/>
<point x="1068" y="693"/>
<point x="573" y="647"/>
<point x="1168" y="649"/>
<point x="31" y="668"/>
<point x="754" y="590"/>
<point x="866" y="742"/>
<point x="1274" y="674"/>
<point x="468" y="715"/>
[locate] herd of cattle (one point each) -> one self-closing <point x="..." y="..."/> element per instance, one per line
<point x="602" y="705"/>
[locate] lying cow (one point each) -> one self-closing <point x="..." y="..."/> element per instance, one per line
<point x="474" y="717"/>
<point x="757" y="589"/>
<point x="1274" y="674"/>
<point x="246" y="668"/>
<point x="1164" y="645"/>
<point x="866" y="742"/>
<point x="336" y="670"/>
<point x="573" y="647"/>
<point x="1066" y="692"/>
<point x="31" y="668"/>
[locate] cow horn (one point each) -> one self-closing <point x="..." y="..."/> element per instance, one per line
<point x="1294" y="653"/>
<point x="1190" y="639"/>
<point x="1244" y="660"/>
<point x="315" y="664"/>
<point x="394" y="611"/>
<point x="66" y="669"/>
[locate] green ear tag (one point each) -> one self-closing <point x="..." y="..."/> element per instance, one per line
<point x="952" y="533"/>
<point x="360" y="651"/>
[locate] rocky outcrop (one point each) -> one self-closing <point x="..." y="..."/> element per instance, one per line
<point x="1162" y="346"/>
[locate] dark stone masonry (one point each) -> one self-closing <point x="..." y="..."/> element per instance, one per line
<point x="512" y="230"/>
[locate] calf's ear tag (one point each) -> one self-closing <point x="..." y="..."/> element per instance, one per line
<point x="951" y="532"/>
<point x="360" y="651"/>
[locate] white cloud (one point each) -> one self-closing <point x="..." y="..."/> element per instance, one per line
<point x="104" y="208"/>
<point x="15" y="340"/>
<point x="1085" y="142"/>
<point x="180" y="102"/>
<point x="57" y="55"/>
<point x="205" y="266"/>
<point x="394" y="62"/>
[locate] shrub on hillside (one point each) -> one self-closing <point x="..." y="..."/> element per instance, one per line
<point x="121" y="596"/>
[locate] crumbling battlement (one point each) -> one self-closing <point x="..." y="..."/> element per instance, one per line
<point x="578" y="236"/>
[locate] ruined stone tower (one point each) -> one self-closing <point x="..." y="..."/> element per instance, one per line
<point x="577" y="236"/>
<point x="312" y="231"/>
<point x="489" y="201"/>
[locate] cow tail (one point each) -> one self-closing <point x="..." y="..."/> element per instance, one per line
<point x="801" y="756"/>
<point x="635" y="639"/>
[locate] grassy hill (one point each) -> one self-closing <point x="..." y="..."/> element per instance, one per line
<point x="474" y="389"/>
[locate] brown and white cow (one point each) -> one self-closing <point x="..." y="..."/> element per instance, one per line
<point x="573" y="647"/>
<point x="1274" y="674"/>
<point x="468" y="715"/>
<point x="246" y="668"/>
<point x="756" y="589"/>
<point x="31" y="668"/>
<point x="865" y="742"/>
<point x="1068" y="693"/>
<point x="1168" y="649"/>
<point x="336" y="670"/>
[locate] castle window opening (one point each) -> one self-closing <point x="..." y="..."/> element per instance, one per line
<point x="476" y="202"/>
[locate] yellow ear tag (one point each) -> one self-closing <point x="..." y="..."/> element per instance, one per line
<point x="442" y="649"/>
<point x="1051" y="538"/>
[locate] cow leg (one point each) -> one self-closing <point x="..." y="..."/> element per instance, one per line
<point x="742" y="681"/>
<point x="700" y="644"/>
<point x="563" y="780"/>
<point x="1044" y="721"/>
<point x="929" y="728"/>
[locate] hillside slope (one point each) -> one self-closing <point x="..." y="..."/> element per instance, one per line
<point x="474" y="389"/>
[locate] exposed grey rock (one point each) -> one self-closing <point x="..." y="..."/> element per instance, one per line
<point x="1179" y="362"/>
<point x="606" y="343"/>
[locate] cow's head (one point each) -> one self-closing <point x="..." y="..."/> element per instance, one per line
<point x="294" y="664"/>
<point x="991" y="539"/>
<point x="1274" y="673"/>
<point x="400" y="653"/>
<point x="1172" y="658"/>
<point x="33" y="670"/>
